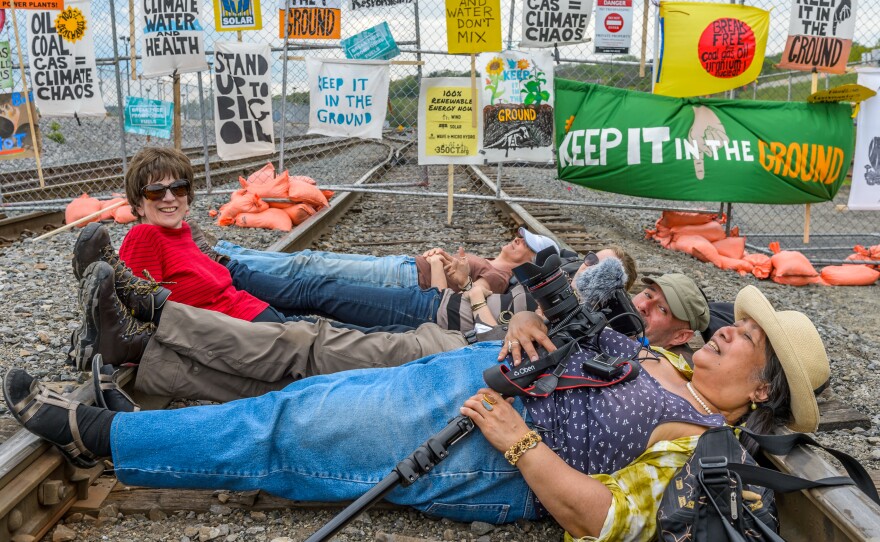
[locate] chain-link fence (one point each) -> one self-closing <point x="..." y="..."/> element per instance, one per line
<point x="95" y="149"/>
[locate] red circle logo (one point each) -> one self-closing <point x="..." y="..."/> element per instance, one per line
<point x="726" y="48"/>
<point x="613" y="22"/>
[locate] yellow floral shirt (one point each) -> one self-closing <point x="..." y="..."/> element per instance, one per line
<point x="637" y="488"/>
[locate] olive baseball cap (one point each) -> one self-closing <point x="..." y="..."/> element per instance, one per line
<point x="685" y="298"/>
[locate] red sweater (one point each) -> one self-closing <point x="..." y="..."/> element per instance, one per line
<point x="196" y="280"/>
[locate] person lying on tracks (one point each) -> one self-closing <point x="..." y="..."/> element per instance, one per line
<point x="158" y="186"/>
<point x="434" y="268"/>
<point x="412" y="306"/>
<point x="603" y="456"/>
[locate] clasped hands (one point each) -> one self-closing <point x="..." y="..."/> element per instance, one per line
<point x="456" y="267"/>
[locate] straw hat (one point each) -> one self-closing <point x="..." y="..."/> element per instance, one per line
<point x="799" y="348"/>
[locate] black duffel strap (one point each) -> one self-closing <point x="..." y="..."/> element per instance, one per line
<point x="784" y="444"/>
<point x="779" y="481"/>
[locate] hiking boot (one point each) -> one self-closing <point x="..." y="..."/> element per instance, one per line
<point x="108" y="327"/>
<point x="144" y="297"/>
<point x="201" y="240"/>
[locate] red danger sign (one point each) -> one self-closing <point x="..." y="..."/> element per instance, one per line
<point x="726" y="48"/>
<point x="613" y="22"/>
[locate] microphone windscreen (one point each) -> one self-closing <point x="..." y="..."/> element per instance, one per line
<point x="598" y="282"/>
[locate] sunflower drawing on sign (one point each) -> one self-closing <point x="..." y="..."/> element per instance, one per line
<point x="70" y="24"/>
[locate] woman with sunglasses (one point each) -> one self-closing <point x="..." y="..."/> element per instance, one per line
<point x="159" y="188"/>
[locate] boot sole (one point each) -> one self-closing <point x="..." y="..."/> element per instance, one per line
<point x="84" y="237"/>
<point x="84" y="349"/>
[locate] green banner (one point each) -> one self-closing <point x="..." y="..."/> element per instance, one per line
<point x="640" y="144"/>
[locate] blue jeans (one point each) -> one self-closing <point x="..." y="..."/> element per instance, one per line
<point x="332" y="438"/>
<point x="353" y="268"/>
<point x="337" y="299"/>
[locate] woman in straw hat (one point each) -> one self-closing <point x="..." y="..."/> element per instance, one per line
<point x="596" y="459"/>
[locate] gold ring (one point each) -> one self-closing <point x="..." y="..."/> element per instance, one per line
<point x="489" y="399"/>
<point x="514" y="341"/>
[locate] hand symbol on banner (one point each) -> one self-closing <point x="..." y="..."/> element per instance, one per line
<point x="709" y="135"/>
<point x="842" y="13"/>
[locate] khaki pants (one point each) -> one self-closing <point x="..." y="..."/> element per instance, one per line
<point x="202" y="354"/>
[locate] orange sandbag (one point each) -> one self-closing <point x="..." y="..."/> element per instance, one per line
<point x="735" y="264"/>
<point x="81" y="207"/>
<point x="849" y="275"/>
<point x="796" y="280"/>
<point x="271" y="219"/>
<point x="731" y="247"/>
<point x="123" y="214"/>
<point x="265" y="183"/>
<point x="241" y="201"/>
<point x="791" y="263"/>
<point x="713" y="231"/>
<point x="304" y="179"/>
<point x="761" y="265"/>
<point x="303" y="192"/>
<point x="671" y="219"/>
<point x="328" y="193"/>
<point x="696" y="246"/>
<point x="299" y="213"/>
<point x="108" y="215"/>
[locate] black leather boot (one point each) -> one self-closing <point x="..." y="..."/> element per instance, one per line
<point x="108" y="326"/>
<point x="143" y="297"/>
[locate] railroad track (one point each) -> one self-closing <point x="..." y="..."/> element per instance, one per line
<point x="37" y="487"/>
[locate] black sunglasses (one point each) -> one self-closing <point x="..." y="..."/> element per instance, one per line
<point x="591" y="259"/>
<point x="155" y="192"/>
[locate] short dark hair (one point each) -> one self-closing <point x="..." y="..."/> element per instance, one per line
<point x="776" y="410"/>
<point x="152" y="164"/>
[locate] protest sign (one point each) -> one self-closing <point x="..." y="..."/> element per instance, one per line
<point x="5" y="65"/>
<point x="613" y="26"/>
<point x="242" y="100"/>
<point x="235" y="15"/>
<point x="548" y="22"/>
<point x="865" y="191"/>
<point x="374" y="43"/>
<point x="853" y="93"/>
<point x="701" y="149"/>
<point x="310" y="19"/>
<point x="62" y="52"/>
<point x="34" y="4"/>
<point x="149" y="117"/>
<point x="709" y="48"/>
<point x="446" y="133"/>
<point x="16" y="139"/>
<point x="2" y="18"/>
<point x="517" y="105"/>
<point x="473" y="26"/>
<point x="173" y="37"/>
<point x="820" y="35"/>
<point x="348" y="98"/>
<point x="364" y="4"/>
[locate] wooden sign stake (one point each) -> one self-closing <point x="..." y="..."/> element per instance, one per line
<point x="449" y="192"/>
<point x="27" y="100"/>
<point x="473" y="91"/>
<point x="131" y="43"/>
<point x="814" y="86"/>
<point x="176" y="110"/>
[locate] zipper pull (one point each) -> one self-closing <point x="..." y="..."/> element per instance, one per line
<point x="733" y="511"/>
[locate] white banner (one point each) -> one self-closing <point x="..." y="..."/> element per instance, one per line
<point x="363" y="4"/>
<point x="516" y="104"/>
<point x="547" y="22"/>
<point x="613" y="26"/>
<point x="242" y="100"/>
<point x="348" y="98"/>
<point x="173" y="37"/>
<point x="864" y="194"/>
<point x="62" y="54"/>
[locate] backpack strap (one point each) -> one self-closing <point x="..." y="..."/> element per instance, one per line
<point x="783" y="444"/>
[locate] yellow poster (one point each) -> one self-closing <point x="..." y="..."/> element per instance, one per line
<point x="844" y="93"/>
<point x="448" y="134"/>
<point x="473" y="26"/>
<point x="235" y="15"/>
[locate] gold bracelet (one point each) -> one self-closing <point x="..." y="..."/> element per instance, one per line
<point x="468" y="285"/>
<point x="529" y="441"/>
<point x="477" y="306"/>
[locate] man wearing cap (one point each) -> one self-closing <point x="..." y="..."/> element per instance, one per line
<point x="672" y="308"/>
<point x="434" y="268"/>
